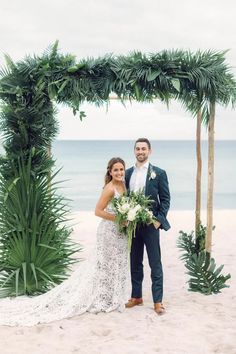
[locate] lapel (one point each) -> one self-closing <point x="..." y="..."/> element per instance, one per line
<point x="148" y="179"/>
<point x="128" y="176"/>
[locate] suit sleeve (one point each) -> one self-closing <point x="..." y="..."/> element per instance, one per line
<point x="164" y="199"/>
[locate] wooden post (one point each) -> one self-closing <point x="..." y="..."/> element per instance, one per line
<point x="210" y="178"/>
<point x="199" y="174"/>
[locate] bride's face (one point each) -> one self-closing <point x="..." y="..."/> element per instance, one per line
<point x="117" y="172"/>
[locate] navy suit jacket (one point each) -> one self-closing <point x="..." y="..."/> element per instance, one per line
<point x="157" y="188"/>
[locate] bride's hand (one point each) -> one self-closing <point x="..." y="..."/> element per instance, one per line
<point x="125" y="223"/>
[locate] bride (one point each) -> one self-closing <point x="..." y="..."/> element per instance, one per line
<point x="99" y="284"/>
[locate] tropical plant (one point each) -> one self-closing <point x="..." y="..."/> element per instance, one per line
<point x="35" y="249"/>
<point x="205" y="277"/>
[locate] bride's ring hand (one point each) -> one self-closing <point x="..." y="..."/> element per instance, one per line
<point x="125" y="223"/>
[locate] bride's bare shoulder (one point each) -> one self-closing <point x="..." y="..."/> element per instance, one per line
<point x="109" y="189"/>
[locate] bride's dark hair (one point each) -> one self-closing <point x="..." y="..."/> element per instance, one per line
<point x="110" y="164"/>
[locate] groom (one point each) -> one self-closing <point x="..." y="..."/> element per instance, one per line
<point x="153" y="180"/>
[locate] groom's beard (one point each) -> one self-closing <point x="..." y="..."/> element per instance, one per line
<point x="142" y="158"/>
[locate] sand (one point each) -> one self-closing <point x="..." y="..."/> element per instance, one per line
<point x="193" y="323"/>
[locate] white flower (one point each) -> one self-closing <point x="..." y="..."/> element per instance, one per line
<point x="131" y="215"/>
<point x="153" y="175"/>
<point x="137" y="207"/>
<point x="124" y="208"/>
<point x="150" y="213"/>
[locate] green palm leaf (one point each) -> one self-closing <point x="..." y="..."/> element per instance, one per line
<point x="37" y="253"/>
<point x="205" y="277"/>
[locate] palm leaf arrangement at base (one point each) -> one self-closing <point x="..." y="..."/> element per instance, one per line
<point x="205" y="276"/>
<point x="35" y="249"/>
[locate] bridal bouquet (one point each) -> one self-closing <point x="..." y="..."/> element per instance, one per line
<point x="131" y="210"/>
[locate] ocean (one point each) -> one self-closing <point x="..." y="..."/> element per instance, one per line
<point x="84" y="164"/>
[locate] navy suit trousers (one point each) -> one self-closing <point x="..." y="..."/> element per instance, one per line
<point x="148" y="236"/>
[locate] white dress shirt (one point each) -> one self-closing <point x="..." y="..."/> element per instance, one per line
<point x="138" y="178"/>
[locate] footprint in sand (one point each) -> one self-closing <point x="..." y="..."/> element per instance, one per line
<point x="102" y="332"/>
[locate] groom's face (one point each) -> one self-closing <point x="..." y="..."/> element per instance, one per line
<point x="142" y="152"/>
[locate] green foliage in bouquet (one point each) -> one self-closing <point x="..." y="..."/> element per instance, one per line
<point x="132" y="209"/>
<point x="145" y="215"/>
<point x="35" y="249"/>
<point x="205" y="276"/>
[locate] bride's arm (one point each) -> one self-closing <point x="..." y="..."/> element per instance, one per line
<point x="106" y="196"/>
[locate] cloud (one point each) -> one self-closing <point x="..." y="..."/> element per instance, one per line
<point x="151" y="120"/>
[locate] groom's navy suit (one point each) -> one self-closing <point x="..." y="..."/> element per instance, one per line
<point x="157" y="189"/>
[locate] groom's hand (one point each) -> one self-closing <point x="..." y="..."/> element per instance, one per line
<point x="157" y="224"/>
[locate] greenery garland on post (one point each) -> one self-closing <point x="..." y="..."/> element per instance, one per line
<point x="35" y="247"/>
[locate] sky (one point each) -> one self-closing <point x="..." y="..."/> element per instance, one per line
<point x="94" y="28"/>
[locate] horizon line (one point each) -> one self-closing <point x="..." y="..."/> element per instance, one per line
<point x="97" y="139"/>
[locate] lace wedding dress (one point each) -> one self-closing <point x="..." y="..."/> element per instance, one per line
<point x="99" y="284"/>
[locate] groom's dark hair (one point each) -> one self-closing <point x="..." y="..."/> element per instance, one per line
<point x="143" y="140"/>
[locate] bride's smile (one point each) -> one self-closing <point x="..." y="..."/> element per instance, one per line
<point x="117" y="173"/>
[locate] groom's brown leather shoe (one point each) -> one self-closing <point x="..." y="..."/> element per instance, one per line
<point x="134" y="301"/>
<point x="159" y="308"/>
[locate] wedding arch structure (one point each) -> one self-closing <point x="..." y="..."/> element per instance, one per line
<point x="35" y="245"/>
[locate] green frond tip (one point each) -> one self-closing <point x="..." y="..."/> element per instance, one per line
<point x="9" y="62"/>
<point x="55" y="48"/>
<point x="186" y="243"/>
<point x="52" y="50"/>
<point x="82" y="115"/>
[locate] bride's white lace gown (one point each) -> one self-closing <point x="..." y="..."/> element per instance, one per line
<point x="99" y="284"/>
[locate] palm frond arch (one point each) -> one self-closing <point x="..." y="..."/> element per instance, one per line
<point x="28" y="91"/>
